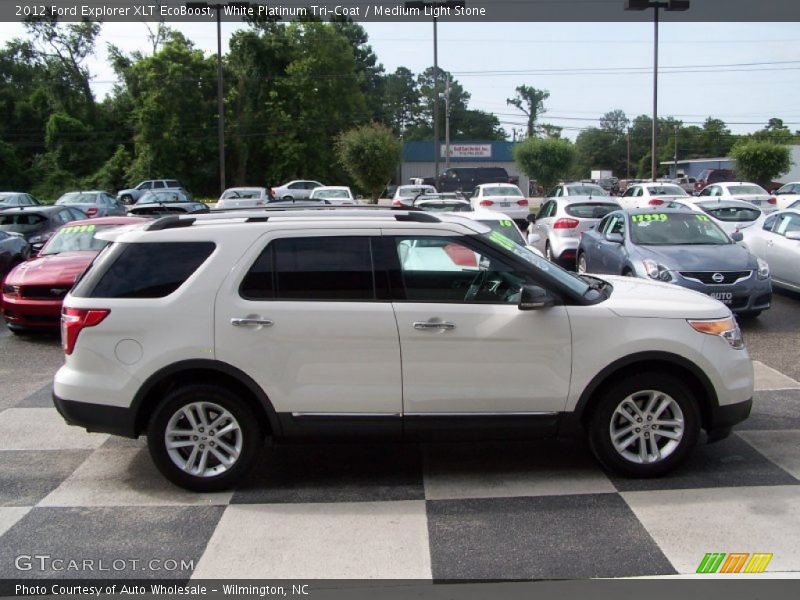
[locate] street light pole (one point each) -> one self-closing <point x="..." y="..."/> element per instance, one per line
<point x="220" y="107"/>
<point x="675" y="154"/>
<point x="447" y="122"/>
<point x="668" y="5"/>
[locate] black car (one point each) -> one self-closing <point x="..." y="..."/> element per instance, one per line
<point x="37" y="223"/>
<point x="166" y="202"/>
<point x="14" y="199"/>
<point x="465" y="179"/>
<point x="13" y="250"/>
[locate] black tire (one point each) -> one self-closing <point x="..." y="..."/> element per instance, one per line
<point x="287" y="198"/>
<point x="127" y="199"/>
<point x="628" y="273"/>
<point x="581" y="255"/>
<point x="251" y="437"/>
<point x="604" y="418"/>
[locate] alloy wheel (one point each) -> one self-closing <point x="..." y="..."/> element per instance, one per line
<point x="647" y="427"/>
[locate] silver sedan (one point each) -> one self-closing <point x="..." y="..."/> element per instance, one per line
<point x="777" y="241"/>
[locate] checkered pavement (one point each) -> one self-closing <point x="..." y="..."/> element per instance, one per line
<point x="447" y="511"/>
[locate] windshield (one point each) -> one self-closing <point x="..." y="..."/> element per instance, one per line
<point x="241" y="194"/>
<point x="75" y="238"/>
<point x="746" y="189"/>
<point x="502" y="191"/>
<point x="570" y="280"/>
<point x="590" y="210"/>
<point x="676" y="229"/>
<point x="733" y="214"/>
<point x="586" y="190"/>
<point x="330" y="194"/>
<point x="7" y="198"/>
<point x="22" y="223"/>
<point x="506" y="227"/>
<point x="151" y="197"/>
<point x="410" y="192"/>
<point x="77" y="199"/>
<point x="666" y="190"/>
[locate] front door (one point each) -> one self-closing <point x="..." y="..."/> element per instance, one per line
<point x="468" y="350"/>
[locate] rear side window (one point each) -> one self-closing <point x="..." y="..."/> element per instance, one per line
<point x="173" y="183"/>
<point x="312" y="268"/>
<point x="590" y="210"/>
<point x="148" y="270"/>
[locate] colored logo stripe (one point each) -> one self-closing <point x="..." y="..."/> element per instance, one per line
<point x="711" y="562"/>
<point x="735" y="561"/>
<point x="758" y="562"/>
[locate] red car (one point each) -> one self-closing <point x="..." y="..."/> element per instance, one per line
<point x="34" y="290"/>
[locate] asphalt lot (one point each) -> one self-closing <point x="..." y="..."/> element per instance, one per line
<point x="448" y="511"/>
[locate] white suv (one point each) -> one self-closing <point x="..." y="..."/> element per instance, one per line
<point x="209" y="333"/>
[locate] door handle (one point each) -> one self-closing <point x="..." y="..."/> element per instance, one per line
<point x="425" y="325"/>
<point x="243" y="322"/>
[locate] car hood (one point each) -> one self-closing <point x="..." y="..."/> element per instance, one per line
<point x="635" y="297"/>
<point x="725" y="257"/>
<point x="56" y="269"/>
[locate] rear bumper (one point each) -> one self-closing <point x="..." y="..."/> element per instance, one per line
<point x="723" y="418"/>
<point x="97" y="418"/>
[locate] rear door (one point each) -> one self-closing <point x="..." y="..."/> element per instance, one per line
<point x="303" y="314"/>
<point x="782" y="254"/>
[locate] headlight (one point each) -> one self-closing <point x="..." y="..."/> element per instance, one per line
<point x="725" y="328"/>
<point x="763" y="269"/>
<point x="656" y="271"/>
<point x="38" y="239"/>
<point x="11" y="290"/>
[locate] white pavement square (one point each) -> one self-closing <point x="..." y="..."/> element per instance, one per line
<point x="361" y="540"/>
<point x="686" y="524"/>
<point x="767" y="378"/>
<point x="781" y="447"/>
<point x="510" y="471"/>
<point x="43" y="429"/>
<point x="9" y="515"/>
<point x="122" y="476"/>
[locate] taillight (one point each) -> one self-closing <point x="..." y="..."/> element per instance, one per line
<point x="271" y="193"/>
<point x="772" y="201"/>
<point x="656" y="202"/>
<point x="73" y="320"/>
<point x="396" y="203"/>
<point x="522" y="202"/>
<point x="486" y="203"/>
<point x="566" y="224"/>
<point x="92" y="211"/>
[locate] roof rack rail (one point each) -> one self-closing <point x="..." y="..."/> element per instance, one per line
<point x="418" y="216"/>
<point x="169" y="222"/>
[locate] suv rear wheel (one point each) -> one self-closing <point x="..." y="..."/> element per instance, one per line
<point x="203" y="437"/>
<point x="645" y="425"/>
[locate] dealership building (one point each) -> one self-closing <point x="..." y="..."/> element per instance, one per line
<point x="419" y="159"/>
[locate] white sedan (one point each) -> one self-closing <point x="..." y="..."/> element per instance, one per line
<point x="730" y="215"/>
<point x="404" y="195"/>
<point x="502" y="197"/>
<point x="642" y="195"/>
<point x="244" y="197"/>
<point x="777" y="241"/>
<point x="787" y="194"/>
<point x="339" y="195"/>
<point x="749" y="192"/>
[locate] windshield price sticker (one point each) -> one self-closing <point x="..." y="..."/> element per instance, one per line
<point x="506" y="223"/>
<point x="76" y="229"/>
<point x="648" y="217"/>
<point x="702" y="218"/>
<point x="502" y="240"/>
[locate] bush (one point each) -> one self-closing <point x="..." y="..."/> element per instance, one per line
<point x="370" y="155"/>
<point x="547" y="160"/>
<point x="761" y="161"/>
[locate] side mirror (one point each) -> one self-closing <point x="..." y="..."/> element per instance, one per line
<point x="737" y="236"/>
<point x="793" y="235"/>
<point x="615" y="238"/>
<point x="533" y="297"/>
<point x="531" y="218"/>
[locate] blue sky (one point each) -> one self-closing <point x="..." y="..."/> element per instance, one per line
<point x="744" y="96"/>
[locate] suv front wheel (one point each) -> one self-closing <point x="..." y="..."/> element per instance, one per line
<point x="203" y="437"/>
<point x="645" y="425"/>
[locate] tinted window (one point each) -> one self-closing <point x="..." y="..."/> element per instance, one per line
<point x="158" y="184"/>
<point x="589" y="210"/>
<point x="312" y="268"/>
<point x="746" y="189"/>
<point x="149" y="270"/>
<point x="22" y="222"/>
<point x="769" y="222"/>
<point x="173" y="183"/>
<point x="733" y="214"/>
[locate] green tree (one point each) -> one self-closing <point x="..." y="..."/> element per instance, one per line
<point x="401" y="100"/>
<point x="775" y="131"/>
<point x="370" y="154"/>
<point x="547" y="160"/>
<point x="530" y="101"/>
<point x="761" y="160"/>
<point x="113" y="174"/>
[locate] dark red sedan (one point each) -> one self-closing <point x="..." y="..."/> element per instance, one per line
<point x="34" y="290"/>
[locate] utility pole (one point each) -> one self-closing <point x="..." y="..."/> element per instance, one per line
<point x="447" y="122"/>
<point x="628" y="174"/>
<point x="436" y="149"/>
<point x="675" y="154"/>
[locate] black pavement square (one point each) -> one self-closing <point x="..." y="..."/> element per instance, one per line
<point x="122" y="540"/>
<point x="27" y="476"/>
<point x="731" y="462"/>
<point x="334" y="473"/>
<point x="42" y="398"/>
<point x="547" y="537"/>
<point x="774" y="409"/>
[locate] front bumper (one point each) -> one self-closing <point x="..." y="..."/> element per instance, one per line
<point x="723" y="418"/>
<point x="749" y="295"/>
<point x="32" y="314"/>
<point x="97" y="418"/>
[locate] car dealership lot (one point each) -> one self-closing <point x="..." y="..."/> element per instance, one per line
<point x="521" y="510"/>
